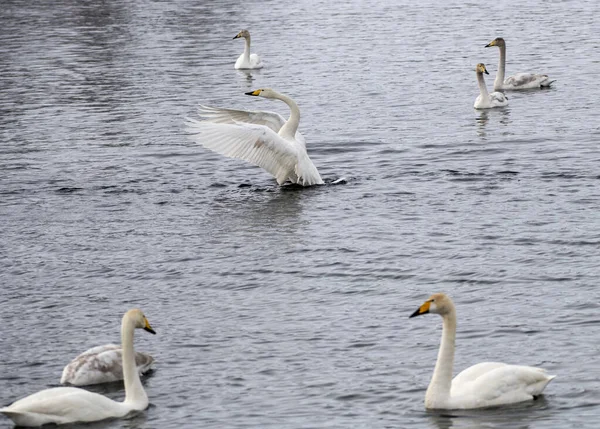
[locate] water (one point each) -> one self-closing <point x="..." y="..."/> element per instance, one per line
<point x="285" y="307"/>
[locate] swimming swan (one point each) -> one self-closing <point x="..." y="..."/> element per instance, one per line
<point x="519" y="80"/>
<point x="265" y="139"/>
<point x="486" y="100"/>
<point x="483" y="385"/>
<point x="62" y="405"/>
<point x="101" y="364"/>
<point x="247" y="60"/>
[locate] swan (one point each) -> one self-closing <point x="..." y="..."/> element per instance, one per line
<point x="519" y="80"/>
<point x="486" y="100"/>
<point x="247" y="60"/>
<point x="60" y="405"/>
<point x="265" y="139"/>
<point x="483" y="385"/>
<point x="101" y="364"/>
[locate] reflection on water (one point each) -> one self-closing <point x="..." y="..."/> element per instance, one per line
<point x="518" y="416"/>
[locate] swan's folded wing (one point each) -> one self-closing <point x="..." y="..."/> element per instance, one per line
<point x="472" y="373"/>
<point x="527" y="80"/>
<point x="510" y="384"/>
<point x="231" y="116"/>
<point x="498" y="97"/>
<point x="257" y="144"/>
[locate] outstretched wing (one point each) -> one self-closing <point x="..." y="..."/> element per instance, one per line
<point x="217" y="115"/>
<point x="258" y="144"/>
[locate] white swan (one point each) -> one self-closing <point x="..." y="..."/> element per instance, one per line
<point x="62" y="405"/>
<point x="483" y="385"/>
<point x="101" y="364"/>
<point x="247" y="60"/>
<point x="486" y="100"/>
<point x="519" y="80"/>
<point x="265" y="139"/>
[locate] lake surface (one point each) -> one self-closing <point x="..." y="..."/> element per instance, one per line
<point x="280" y="307"/>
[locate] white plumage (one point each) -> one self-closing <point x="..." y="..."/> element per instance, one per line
<point x="487" y="100"/>
<point x="486" y="384"/>
<point x="518" y="81"/>
<point x="247" y="60"/>
<point x="101" y="364"/>
<point x="61" y="405"/>
<point x="265" y="139"/>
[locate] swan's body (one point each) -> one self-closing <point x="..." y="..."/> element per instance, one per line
<point x="486" y="100"/>
<point x="519" y="80"/>
<point x="483" y="385"/>
<point x="61" y="405"/>
<point x="101" y="364"/>
<point x="265" y="139"/>
<point x="247" y="60"/>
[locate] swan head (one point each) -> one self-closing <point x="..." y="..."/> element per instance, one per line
<point x="438" y="303"/>
<point x="498" y="41"/>
<point x="139" y="320"/>
<point x="263" y="92"/>
<point x="481" y="68"/>
<point x="244" y="33"/>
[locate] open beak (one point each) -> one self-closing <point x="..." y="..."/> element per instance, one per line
<point x="149" y="328"/>
<point x="255" y="93"/>
<point x="424" y="309"/>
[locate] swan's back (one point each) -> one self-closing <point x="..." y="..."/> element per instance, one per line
<point x="61" y="405"/>
<point x="492" y="384"/>
<point x="101" y="364"/>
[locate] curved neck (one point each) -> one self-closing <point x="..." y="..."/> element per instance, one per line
<point x="291" y="126"/>
<point x="247" y="48"/>
<point x="134" y="392"/>
<point x="441" y="382"/>
<point x="499" y="81"/>
<point x="482" y="88"/>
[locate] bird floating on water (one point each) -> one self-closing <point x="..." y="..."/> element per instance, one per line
<point x="519" y="80"/>
<point x="486" y="384"/>
<point x="62" y="405"/>
<point x="247" y="60"/>
<point x="486" y="100"/>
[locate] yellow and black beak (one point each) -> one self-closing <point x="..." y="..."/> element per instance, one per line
<point x="492" y="43"/>
<point x="255" y="93"/>
<point x="147" y="327"/>
<point x="485" y="70"/>
<point x="237" y="36"/>
<point x="424" y="309"/>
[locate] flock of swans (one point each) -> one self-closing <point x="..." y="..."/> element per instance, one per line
<point x="486" y="384"/>
<point x="267" y="140"/>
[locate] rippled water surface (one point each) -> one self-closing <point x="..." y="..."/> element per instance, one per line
<point x="285" y="307"/>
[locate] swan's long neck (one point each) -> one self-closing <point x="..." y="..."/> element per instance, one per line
<point x="482" y="88"/>
<point x="134" y="392"/>
<point x="499" y="81"/>
<point x="247" y="49"/>
<point x="291" y="126"/>
<point x="438" y="392"/>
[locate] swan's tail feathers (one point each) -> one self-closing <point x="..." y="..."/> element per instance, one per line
<point x="547" y="83"/>
<point x="307" y="172"/>
<point x="541" y="381"/>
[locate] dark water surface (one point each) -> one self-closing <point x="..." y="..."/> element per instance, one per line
<point x="285" y="307"/>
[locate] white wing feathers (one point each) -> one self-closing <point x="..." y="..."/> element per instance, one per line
<point x="231" y="116"/>
<point x="258" y="144"/>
